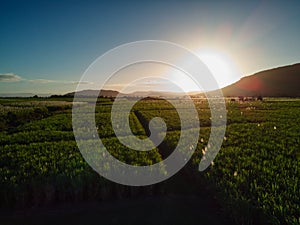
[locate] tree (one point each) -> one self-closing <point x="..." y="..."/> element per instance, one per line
<point x="259" y="98"/>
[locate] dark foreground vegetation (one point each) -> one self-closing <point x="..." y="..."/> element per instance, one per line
<point x="255" y="178"/>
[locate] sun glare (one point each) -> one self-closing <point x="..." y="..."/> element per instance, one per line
<point x="221" y="66"/>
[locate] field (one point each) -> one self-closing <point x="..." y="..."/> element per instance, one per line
<point x="255" y="178"/>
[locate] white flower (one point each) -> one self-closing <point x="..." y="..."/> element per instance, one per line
<point x="235" y="173"/>
<point x="275" y="127"/>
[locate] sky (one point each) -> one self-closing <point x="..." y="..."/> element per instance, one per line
<point x="46" y="46"/>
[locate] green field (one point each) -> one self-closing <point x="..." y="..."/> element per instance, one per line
<point x="255" y="178"/>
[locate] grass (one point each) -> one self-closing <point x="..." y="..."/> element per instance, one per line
<point x="254" y="178"/>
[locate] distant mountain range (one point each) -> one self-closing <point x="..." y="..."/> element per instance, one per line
<point x="111" y="93"/>
<point x="279" y="82"/>
<point x="23" y="95"/>
<point x="93" y="93"/>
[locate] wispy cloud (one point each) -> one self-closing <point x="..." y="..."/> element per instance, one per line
<point x="82" y="82"/>
<point x="9" y="77"/>
<point x="43" y="81"/>
<point x="114" y="86"/>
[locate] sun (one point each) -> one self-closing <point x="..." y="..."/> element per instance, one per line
<point x="221" y="65"/>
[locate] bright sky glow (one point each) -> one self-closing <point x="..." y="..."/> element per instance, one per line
<point x="222" y="67"/>
<point x="47" y="45"/>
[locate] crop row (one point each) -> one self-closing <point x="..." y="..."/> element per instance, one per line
<point x="38" y="173"/>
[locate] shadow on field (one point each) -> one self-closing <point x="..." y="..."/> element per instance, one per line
<point x="151" y="210"/>
<point x="185" y="202"/>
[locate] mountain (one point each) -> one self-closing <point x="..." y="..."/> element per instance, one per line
<point x="155" y="94"/>
<point x="93" y="93"/>
<point x="111" y="93"/>
<point x="279" y="82"/>
<point x="21" y="95"/>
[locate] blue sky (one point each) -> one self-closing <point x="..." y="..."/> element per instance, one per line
<point x="47" y="45"/>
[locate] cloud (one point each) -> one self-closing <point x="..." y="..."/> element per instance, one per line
<point x="43" y="81"/>
<point x="114" y="85"/>
<point x="82" y="82"/>
<point x="9" y="77"/>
